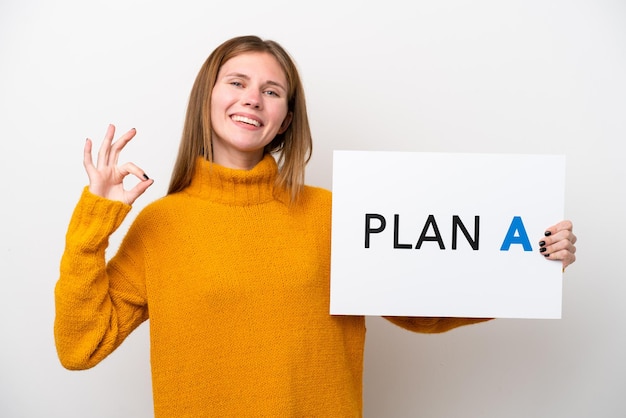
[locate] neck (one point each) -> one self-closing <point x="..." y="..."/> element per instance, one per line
<point x="238" y="161"/>
<point x="234" y="186"/>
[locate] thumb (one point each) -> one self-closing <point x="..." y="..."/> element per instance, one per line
<point x="138" y="190"/>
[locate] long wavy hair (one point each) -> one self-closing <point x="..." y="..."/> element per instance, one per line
<point x="292" y="147"/>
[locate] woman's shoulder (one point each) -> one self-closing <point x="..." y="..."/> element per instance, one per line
<point x="316" y="194"/>
<point x="161" y="207"/>
<point x="315" y="202"/>
<point x="316" y="190"/>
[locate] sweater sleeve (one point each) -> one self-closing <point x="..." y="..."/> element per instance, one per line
<point x="432" y="325"/>
<point x="96" y="307"/>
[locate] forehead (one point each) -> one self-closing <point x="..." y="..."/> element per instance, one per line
<point x="261" y="65"/>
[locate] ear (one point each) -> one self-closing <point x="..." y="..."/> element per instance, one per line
<point x="286" y="122"/>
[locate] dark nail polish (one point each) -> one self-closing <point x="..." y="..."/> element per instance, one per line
<point x="542" y="243"/>
<point x="546" y="255"/>
<point x="145" y="176"/>
<point x="542" y="249"/>
<point x="547" y="233"/>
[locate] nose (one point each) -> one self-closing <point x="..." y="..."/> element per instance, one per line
<point x="252" y="98"/>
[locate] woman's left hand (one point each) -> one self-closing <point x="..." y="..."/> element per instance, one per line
<point x="559" y="243"/>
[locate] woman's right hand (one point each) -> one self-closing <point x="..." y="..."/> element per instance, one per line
<point x="106" y="178"/>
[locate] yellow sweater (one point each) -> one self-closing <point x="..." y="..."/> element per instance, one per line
<point x="236" y="285"/>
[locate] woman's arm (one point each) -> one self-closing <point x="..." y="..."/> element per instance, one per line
<point x="97" y="306"/>
<point x="432" y="325"/>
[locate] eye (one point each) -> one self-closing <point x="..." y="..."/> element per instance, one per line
<point x="236" y="83"/>
<point x="272" y="93"/>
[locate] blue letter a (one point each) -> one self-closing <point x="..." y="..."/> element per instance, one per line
<point x="516" y="235"/>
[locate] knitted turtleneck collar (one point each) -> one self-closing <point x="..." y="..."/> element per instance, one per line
<point x="235" y="186"/>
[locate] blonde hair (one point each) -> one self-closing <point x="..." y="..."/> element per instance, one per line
<point x="294" y="146"/>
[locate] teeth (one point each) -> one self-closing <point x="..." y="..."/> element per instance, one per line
<point x="244" y="119"/>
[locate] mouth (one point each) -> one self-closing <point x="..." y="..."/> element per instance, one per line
<point x="243" y="119"/>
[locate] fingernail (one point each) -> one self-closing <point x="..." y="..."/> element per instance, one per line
<point x="542" y="243"/>
<point x="547" y="233"/>
<point x="145" y="176"/>
<point x="542" y="249"/>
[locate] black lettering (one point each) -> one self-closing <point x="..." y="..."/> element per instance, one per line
<point x="430" y="222"/>
<point x="368" y="228"/>
<point x="456" y="223"/>
<point x="396" y="227"/>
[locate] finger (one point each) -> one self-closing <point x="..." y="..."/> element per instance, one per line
<point x="138" y="190"/>
<point x="560" y="240"/>
<point x="564" y="225"/>
<point x="92" y="171"/>
<point x="87" y="159"/>
<point x="559" y="231"/>
<point x="118" y="145"/>
<point x="130" y="168"/>
<point x="141" y="187"/>
<point x="563" y="250"/>
<point x="564" y="244"/>
<point x="568" y="260"/>
<point x="105" y="147"/>
<point x="565" y="256"/>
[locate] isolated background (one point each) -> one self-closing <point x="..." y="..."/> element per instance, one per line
<point x="455" y="76"/>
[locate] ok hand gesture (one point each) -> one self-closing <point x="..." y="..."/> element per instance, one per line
<point x="106" y="178"/>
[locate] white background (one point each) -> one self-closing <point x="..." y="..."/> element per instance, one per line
<point x="514" y="76"/>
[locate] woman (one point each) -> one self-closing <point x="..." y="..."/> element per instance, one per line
<point x="232" y="266"/>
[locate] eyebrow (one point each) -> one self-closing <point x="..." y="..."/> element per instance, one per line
<point x="246" y="77"/>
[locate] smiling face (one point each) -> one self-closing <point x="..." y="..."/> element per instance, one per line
<point x="248" y="109"/>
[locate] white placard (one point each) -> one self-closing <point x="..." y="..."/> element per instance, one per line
<point x="439" y="234"/>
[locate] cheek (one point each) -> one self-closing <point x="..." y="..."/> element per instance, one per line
<point x="214" y="102"/>
<point x="285" y="123"/>
<point x="218" y="109"/>
<point x="220" y="98"/>
<point x="280" y="114"/>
